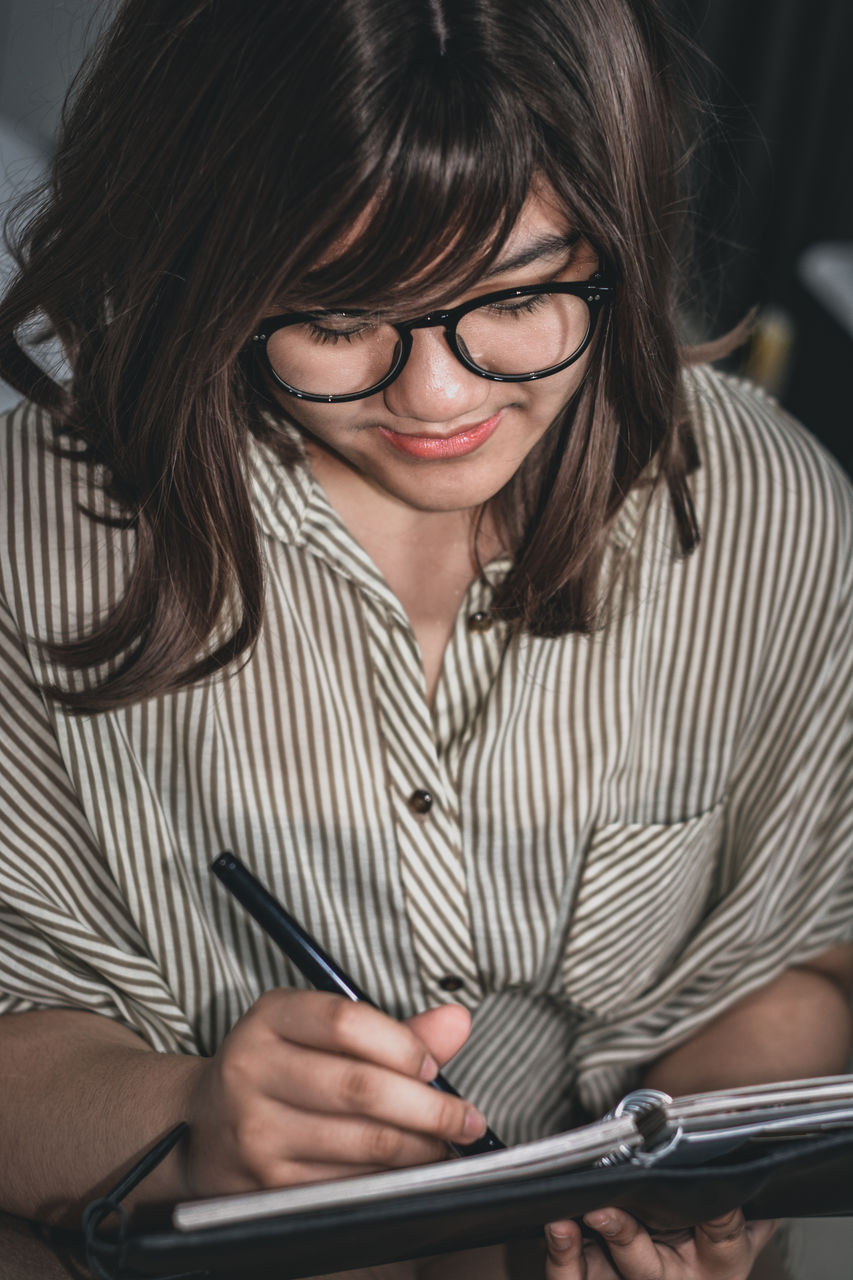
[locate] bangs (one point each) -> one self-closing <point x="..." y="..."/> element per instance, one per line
<point x="437" y="201"/>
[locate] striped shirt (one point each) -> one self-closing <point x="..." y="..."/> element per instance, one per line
<point x="597" y="843"/>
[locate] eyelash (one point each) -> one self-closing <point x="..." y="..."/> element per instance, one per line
<point x="320" y="335"/>
<point x="520" y="306"/>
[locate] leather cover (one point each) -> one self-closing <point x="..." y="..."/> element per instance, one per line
<point x="770" y="1178"/>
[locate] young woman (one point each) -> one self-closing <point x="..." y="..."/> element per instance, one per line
<point x="386" y="535"/>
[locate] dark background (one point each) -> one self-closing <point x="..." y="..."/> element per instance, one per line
<point x="778" y="179"/>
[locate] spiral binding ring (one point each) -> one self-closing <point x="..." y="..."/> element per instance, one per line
<point x="659" y="1138"/>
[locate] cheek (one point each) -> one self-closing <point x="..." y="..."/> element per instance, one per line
<point x="550" y="396"/>
<point x="570" y="380"/>
<point x="330" y="424"/>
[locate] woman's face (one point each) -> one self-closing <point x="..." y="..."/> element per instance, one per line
<point x="441" y="438"/>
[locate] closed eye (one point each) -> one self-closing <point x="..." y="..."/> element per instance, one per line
<point x="338" y="327"/>
<point x="519" y="306"/>
<point x="321" y="335"/>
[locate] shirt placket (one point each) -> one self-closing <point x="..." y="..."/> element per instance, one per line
<point x="421" y="790"/>
<point x="423" y="754"/>
<point x="425" y="809"/>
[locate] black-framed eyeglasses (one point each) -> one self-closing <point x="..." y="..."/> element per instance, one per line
<point x="510" y="335"/>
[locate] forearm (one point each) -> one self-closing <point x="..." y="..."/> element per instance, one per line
<point x="83" y="1098"/>
<point x="306" y="1086"/>
<point x="798" y="1025"/>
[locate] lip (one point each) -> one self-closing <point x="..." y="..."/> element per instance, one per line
<point x="456" y="445"/>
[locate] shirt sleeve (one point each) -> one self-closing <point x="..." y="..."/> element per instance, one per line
<point x="783" y="889"/>
<point x="67" y="939"/>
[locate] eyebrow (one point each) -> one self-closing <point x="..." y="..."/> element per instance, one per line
<point x="548" y="246"/>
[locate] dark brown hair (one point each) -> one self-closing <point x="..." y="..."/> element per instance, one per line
<point x="214" y="153"/>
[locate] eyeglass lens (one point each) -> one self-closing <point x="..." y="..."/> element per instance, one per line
<point x="338" y="354"/>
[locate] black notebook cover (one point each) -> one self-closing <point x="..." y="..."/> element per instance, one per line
<point x="791" y="1178"/>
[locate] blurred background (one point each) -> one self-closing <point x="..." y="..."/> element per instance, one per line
<point x="776" y="195"/>
<point x="775" y="224"/>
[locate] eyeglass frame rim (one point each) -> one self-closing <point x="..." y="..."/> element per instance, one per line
<point x="596" y="293"/>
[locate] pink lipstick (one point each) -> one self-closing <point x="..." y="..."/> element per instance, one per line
<point x="463" y="441"/>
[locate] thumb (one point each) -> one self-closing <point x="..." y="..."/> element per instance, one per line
<point x="442" y="1030"/>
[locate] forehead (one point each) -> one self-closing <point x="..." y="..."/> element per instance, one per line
<point x="540" y="231"/>
<point x="541" y="215"/>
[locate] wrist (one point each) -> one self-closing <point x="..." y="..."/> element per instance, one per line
<point x="177" y="1079"/>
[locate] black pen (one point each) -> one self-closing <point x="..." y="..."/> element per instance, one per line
<point x="313" y="962"/>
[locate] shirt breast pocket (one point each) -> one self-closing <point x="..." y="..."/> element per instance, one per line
<point x="644" y="889"/>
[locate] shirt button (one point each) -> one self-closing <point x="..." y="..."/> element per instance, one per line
<point x="420" y="801"/>
<point x="479" y="621"/>
<point x="451" y="983"/>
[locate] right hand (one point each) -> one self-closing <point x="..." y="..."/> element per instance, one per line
<point x="309" y="1086"/>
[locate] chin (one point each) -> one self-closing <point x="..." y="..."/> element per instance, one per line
<point x="442" y="494"/>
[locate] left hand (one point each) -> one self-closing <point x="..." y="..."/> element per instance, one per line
<point x="724" y="1249"/>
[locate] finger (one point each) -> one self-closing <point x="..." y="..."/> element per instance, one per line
<point x="352" y="1141"/>
<point x="443" y="1031"/>
<point x="727" y="1242"/>
<point x="328" y="1083"/>
<point x="565" y="1259"/>
<point x="634" y="1253"/>
<point x="723" y="1244"/>
<point x="281" y="1145"/>
<point x="760" y="1231"/>
<point x="320" y="1020"/>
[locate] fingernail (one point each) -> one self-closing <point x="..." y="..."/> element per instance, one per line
<point x="560" y="1238"/>
<point x="601" y="1222"/>
<point x="475" y="1123"/>
<point x="429" y="1068"/>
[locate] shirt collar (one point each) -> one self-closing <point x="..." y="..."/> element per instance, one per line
<point x="289" y="503"/>
<point x="280" y="494"/>
<point x="292" y="507"/>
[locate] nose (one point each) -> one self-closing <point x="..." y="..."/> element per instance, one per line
<point x="434" y="386"/>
